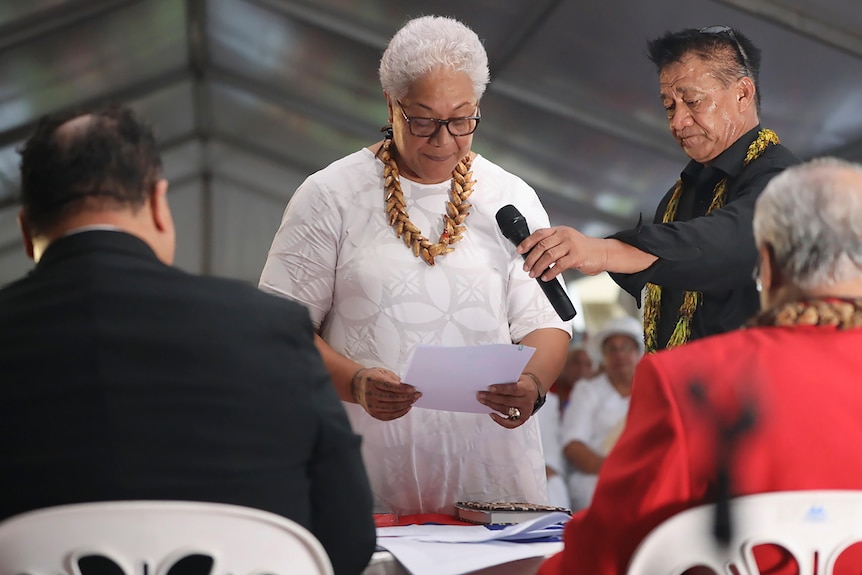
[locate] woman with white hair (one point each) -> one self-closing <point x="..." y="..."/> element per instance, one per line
<point x="354" y="247"/>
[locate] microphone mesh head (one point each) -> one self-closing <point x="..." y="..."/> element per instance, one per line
<point x="512" y="223"/>
<point x="507" y="214"/>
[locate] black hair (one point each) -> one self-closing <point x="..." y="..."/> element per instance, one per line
<point x="732" y="53"/>
<point x="110" y="160"/>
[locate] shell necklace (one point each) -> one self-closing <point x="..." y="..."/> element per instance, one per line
<point x="457" y="208"/>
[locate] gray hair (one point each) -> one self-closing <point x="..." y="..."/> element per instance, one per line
<point x="811" y="215"/>
<point x="428" y="43"/>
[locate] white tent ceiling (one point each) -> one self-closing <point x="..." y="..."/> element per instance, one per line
<point x="249" y="96"/>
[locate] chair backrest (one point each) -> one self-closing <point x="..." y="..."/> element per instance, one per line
<point x="149" y="537"/>
<point x="813" y="526"/>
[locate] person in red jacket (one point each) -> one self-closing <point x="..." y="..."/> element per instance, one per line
<point x="787" y="384"/>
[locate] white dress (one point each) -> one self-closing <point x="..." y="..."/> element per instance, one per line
<point x="372" y="300"/>
<point x="595" y="409"/>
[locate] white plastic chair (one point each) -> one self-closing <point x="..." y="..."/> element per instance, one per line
<point x="805" y="523"/>
<point x="148" y="537"/>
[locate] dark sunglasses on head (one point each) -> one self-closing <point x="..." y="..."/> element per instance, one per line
<point x="727" y="31"/>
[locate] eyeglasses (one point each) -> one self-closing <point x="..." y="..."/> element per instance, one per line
<point x="620" y="348"/>
<point x="428" y="127"/>
<point x="721" y="30"/>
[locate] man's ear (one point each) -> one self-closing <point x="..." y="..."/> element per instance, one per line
<point x="159" y="208"/>
<point x="26" y="234"/>
<point x="746" y="93"/>
<point x="164" y="240"/>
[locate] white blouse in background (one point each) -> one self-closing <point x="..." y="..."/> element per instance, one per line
<point x="595" y="410"/>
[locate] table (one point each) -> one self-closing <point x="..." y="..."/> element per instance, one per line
<point x="383" y="563"/>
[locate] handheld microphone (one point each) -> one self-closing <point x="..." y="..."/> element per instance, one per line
<point x="514" y="227"/>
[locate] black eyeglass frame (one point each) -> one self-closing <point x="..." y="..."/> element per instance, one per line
<point x="410" y="119"/>
<point x="727" y="31"/>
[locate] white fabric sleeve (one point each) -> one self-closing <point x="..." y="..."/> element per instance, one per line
<point x="528" y="307"/>
<point x="302" y="260"/>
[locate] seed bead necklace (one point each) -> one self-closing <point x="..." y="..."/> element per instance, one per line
<point x="457" y="208"/>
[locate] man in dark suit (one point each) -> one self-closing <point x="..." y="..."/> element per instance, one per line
<point x="122" y="377"/>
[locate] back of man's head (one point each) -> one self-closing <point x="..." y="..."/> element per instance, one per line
<point x="810" y="217"/>
<point x="75" y="160"/>
<point x="86" y="162"/>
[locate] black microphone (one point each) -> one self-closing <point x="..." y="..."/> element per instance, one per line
<point x="514" y="227"/>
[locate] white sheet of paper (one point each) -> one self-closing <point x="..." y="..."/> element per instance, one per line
<point x="449" y="377"/>
<point x="543" y="526"/>
<point x="426" y="558"/>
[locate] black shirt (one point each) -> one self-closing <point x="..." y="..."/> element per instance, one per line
<point x="712" y="253"/>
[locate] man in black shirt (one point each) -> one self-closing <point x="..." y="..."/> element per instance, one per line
<point x="695" y="260"/>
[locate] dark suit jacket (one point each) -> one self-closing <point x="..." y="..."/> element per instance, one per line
<point x="124" y="378"/>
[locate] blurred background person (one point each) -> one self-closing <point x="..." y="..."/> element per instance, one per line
<point x="579" y="365"/>
<point x="792" y="376"/>
<point x="341" y="251"/>
<point x="695" y="259"/>
<point x="599" y="405"/>
<point x="122" y="377"/>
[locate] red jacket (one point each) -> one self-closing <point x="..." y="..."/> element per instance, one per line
<point x="805" y="387"/>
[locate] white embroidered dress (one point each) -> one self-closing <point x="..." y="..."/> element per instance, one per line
<point x="372" y="300"/>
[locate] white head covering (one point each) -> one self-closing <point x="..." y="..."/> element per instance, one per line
<point x="625" y="325"/>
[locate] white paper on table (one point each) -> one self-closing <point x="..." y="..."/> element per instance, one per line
<point x="449" y="377"/>
<point x="426" y="558"/>
<point x="543" y="526"/>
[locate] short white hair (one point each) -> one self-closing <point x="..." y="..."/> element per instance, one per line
<point x="429" y="43"/>
<point x="811" y="216"/>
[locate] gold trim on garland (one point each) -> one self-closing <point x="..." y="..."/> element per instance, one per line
<point x="457" y="208"/>
<point x="691" y="299"/>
